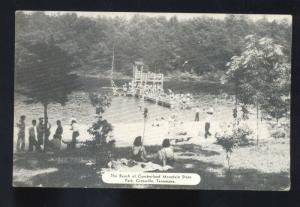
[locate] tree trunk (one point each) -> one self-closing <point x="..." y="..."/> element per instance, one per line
<point x="236" y="102"/>
<point x="228" y="163"/>
<point x="257" y="131"/>
<point x="45" y="126"/>
<point x="112" y="63"/>
<point x="144" y="130"/>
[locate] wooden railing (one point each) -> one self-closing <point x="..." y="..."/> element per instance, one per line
<point x="148" y="77"/>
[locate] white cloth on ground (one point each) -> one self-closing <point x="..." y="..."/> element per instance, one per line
<point x="121" y="165"/>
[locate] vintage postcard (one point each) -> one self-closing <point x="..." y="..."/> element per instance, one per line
<point x="152" y="100"/>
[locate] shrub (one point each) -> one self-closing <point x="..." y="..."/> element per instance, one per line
<point x="100" y="130"/>
<point x="233" y="137"/>
<point x="228" y="143"/>
<point x="242" y="134"/>
<point x="280" y="130"/>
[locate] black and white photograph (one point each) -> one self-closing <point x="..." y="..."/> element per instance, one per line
<point x="152" y="100"/>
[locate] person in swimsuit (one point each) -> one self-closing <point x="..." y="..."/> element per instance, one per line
<point x="138" y="150"/>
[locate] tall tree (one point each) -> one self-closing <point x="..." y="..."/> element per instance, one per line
<point x="45" y="74"/>
<point x="262" y="76"/>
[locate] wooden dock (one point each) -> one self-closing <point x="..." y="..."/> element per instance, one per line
<point x="147" y="86"/>
<point x="161" y="102"/>
<point x="164" y="103"/>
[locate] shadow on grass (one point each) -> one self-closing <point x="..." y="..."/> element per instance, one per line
<point x="251" y="179"/>
<point x="191" y="149"/>
<point x="217" y="177"/>
<point x="73" y="172"/>
<point x="78" y="175"/>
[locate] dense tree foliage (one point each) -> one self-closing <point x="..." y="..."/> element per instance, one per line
<point x="199" y="45"/>
<point x="44" y="73"/>
<point x="262" y="76"/>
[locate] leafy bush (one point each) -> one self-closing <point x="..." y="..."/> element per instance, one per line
<point x="227" y="143"/>
<point x="242" y="134"/>
<point x="280" y="129"/>
<point x="233" y="137"/>
<point x="100" y="130"/>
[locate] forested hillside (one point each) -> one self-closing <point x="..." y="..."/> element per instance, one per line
<point x="198" y="46"/>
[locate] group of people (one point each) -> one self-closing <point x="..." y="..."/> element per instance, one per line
<point x="180" y="101"/>
<point x="156" y="92"/>
<point x="165" y="156"/>
<point x="39" y="133"/>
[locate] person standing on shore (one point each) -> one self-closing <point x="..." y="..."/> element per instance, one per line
<point x="21" y="134"/>
<point x="197" y="114"/>
<point x="33" y="138"/>
<point x="47" y="132"/>
<point x="75" y="134"/>
<point x="59" y="130"/>
<point x="55" y="143"/>
<point x="207" y="126"/>
<point x="40" y="132"/>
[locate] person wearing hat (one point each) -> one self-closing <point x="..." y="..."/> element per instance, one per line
<point x="209" y="113"/>
<point x="21" y="134"/>
<point x="75" y="134"/>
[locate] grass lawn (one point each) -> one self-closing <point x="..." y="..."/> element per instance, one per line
<point x="248" y="170"/>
